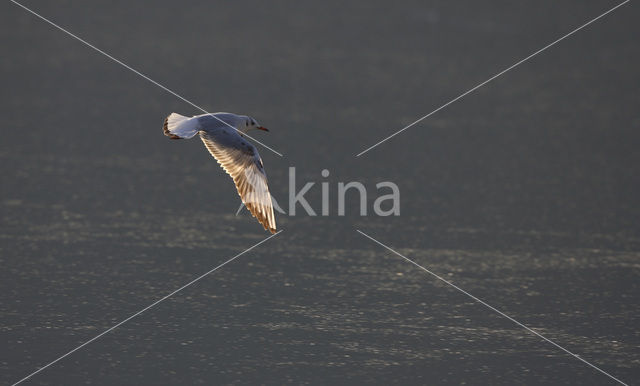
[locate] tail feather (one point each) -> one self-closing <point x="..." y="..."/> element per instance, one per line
<point x="178" y="126"/>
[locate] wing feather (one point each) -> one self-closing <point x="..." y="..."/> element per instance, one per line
<point x="243" y="163"/>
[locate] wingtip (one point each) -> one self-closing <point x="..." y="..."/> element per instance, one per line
<point x="268" y="228"/>
<point x="263" y="221"/>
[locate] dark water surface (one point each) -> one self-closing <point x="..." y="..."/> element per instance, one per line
<point x="525" y="193"/>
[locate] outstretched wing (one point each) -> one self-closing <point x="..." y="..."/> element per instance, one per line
<point x="241" y="161"/>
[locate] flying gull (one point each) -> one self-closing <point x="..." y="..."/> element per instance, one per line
<point x="223" y="136"/>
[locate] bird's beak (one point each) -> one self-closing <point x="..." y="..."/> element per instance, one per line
<point x="262" y="128"/>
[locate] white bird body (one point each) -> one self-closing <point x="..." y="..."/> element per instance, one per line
<point x="222" y="135"/>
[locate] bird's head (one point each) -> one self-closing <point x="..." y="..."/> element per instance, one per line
<point x="248" y="123"/>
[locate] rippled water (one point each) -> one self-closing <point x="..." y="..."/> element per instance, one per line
<point x="524" y="193"/>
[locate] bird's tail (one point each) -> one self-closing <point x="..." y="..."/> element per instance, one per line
<point x="178" y="126"/>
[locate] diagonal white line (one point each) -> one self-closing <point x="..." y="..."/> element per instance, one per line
<point x="239" y="208"/>
<point x="135" y="71"/>
<point x="146" y="308"/>
<point x="489" y="306"/>
<point x="492" y="78"/>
